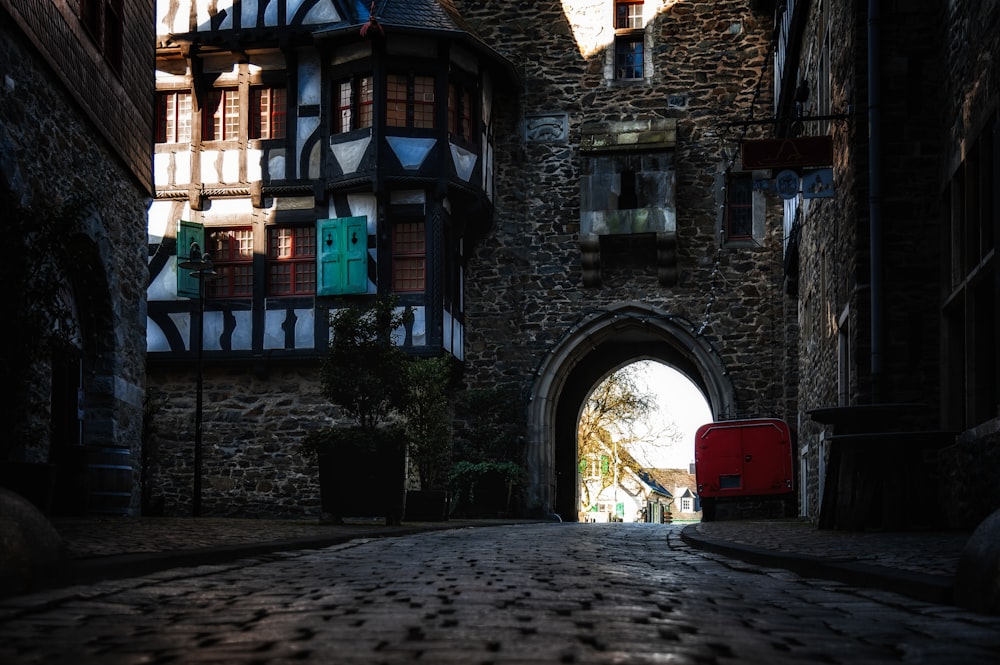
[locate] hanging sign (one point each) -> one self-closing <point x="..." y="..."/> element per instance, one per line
<point x="786" y="184"/>
<point x="817" y="184"/>
<point x="787" y="153"/>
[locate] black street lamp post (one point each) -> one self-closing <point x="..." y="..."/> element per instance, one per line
<point x="202" y="270"/>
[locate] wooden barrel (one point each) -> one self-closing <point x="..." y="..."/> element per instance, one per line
<point x="109" y="481"/>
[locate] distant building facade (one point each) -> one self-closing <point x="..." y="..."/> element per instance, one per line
<point x="75" y="183"/>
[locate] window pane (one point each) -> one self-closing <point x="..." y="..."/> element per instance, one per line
<point x="305" y="277"/>
<point x="258" y="113"/>
<point x="173" y="117"/>
<point x="459" y="112"/>
<point x="267" y="113"/>
<point x="408" y="274"/>
<point x="395" y="101"/>
<point x="628" y="58"/>
<point x="739" y="206"/>
<point x="165" y="116"/>
<point x="365" y="99"/>
<point x="423" y="101"/>
<point x="232" y="107"/>
<point x="212" y="116"/>
<point x="292" y="261"/>
<point x="183" y="117"/>
<point x="280" y="281"/>
<point x="278" y="113"/>
<point x="344" y="104"/>
<point x="408" y="259"/>
<point x="628" y="16"/>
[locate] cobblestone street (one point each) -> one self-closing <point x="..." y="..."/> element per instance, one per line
<point x="537" y="593"/>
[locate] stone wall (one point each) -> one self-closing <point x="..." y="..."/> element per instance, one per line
<point x="936" y="91"/>
<point x="252" y="425"/>
<point x="78" y="217"/>
<point x="524" y="282"/>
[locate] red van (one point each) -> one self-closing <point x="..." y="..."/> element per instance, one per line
<point x="743" y="458"/>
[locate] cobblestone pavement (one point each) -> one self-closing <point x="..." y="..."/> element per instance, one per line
<point x="931" y="553"/>
<point x="531" y="593"/>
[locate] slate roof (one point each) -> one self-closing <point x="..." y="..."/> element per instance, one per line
<point x="437" y="15"/>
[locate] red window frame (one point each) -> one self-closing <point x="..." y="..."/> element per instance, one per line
<point x="173" y="116"/>
<point x="628" y="15"/>
<point x="221" y="115"/>
<point x="291" y="260"/>
<point x="409" y="257"/>
<point x="460" y="112"/>
<point x="268" y="112"/>
<point x="410" y="101"/>
<point x="231" y="251"/>
<point x="354" y="103"/>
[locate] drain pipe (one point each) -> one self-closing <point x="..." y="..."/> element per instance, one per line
<point x="875" y="199"/>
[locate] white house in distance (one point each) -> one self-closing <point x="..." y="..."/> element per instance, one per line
<point x="624" y="492"/>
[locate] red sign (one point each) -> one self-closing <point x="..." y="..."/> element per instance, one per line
<point x="787" y="153"/>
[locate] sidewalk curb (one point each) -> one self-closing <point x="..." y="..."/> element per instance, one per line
<point x="918" y="586"/>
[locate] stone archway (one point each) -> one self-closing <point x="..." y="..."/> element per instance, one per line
<point x="591" y="349"/>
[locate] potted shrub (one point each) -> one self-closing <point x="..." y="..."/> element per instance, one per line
<point x="362" y="466"/>
<point x="487" y="477"/>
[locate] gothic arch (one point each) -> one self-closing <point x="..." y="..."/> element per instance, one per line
<point x="601" y="342"/>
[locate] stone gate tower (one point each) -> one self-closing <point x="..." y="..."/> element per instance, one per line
<point x="625" y="227"/>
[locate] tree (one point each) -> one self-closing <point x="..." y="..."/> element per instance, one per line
<point x="427" y="419"/>
<point x="616" y="420"/>
<point x="364" y="371"/>
<point x="488" y="471"/>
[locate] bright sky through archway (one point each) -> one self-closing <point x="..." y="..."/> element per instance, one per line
<point x="680" y="401"/>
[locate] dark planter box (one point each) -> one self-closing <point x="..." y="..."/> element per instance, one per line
<point x="361" y="474"/>
<point x="428" y="505"/>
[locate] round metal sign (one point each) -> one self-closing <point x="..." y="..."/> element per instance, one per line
<point x="787" y="184"/>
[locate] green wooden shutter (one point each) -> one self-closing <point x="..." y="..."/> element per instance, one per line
<point x="187" y="233"/>
<point x="342" y="256"/>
